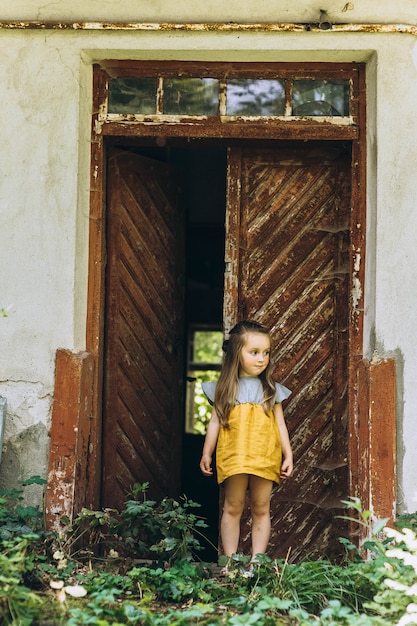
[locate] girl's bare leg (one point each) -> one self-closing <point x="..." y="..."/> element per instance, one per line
<point x="234" y="502"/>
<point x="260" y="496"/>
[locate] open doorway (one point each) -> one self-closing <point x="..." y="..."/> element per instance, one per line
<point x="197" y="231"/>
<point x="205" y="241"/>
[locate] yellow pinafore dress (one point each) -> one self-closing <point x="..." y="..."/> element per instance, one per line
<point x="252" y="443"/>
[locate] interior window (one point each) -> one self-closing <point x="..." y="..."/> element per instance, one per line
<point x="203" y="364"/>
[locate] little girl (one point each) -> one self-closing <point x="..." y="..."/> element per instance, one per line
<point x="247" y="425"/>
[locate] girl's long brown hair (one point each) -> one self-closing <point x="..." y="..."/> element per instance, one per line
<point x="227" y="385"/>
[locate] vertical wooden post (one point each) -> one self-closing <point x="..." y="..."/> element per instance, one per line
<point x="96" y="286"/>
<point x="70" y="437"/>
<point x="382" y="452"/>
<point x="373" y="438"/>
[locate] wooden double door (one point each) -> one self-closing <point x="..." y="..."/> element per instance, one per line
<point x="287" y="265"/>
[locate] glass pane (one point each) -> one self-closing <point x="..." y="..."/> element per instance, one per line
<point x="207" y="347"/>
<point x="132" y="95"/>
<point x="255" y="96"/>
<point x="191" y="96"/>
<point x="320" y="97"/>
<point x="198" y="407"/>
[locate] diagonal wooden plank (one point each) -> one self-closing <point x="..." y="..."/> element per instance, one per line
<point x="142" y="419"/>
<point x="290" y="278"/>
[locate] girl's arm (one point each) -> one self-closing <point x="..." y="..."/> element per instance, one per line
<point x="209" y="444"/>
<point x="287" y="460"/>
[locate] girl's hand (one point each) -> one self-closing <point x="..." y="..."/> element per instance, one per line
<point x="205" y="465"/>
<point x="286" y="468"/>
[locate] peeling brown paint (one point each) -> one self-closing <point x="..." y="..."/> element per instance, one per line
<point x="286" y="126"/>
<point x="195" y="119"/>
<point x="373" y="461"/>
<point x="70" y="435"/>
<point x="357" y="291"/>
<point x="409" y="29"/>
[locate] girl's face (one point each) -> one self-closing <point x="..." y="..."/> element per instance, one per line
<point x="254" y="356"/>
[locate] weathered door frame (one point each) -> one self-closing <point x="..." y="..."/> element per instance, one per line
<point x="75" y="455"/>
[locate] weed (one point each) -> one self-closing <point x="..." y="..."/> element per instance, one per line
<point x="168" y="528"/>
<point x="16" y="519"/>
<point x="21" y="542"/>
<point x="180" y="582"/>
<point x="40" y="573"/>
<point x="18" y="603"/>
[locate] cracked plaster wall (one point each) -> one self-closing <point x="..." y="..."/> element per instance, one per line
<point x="26" y="443"/>
<point x="44" y="182"/>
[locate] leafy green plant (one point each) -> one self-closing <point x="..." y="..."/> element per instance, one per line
<point x="101" y="606"/>
<point x="21" y="540"/>
<point x="86" y="538"/>
<point x="373" y="541"/>
<point x="18" y="603"/>
<point x="202" y="407"/>
<point x="407" y="520"/>
<point x="45" y="576"/>
<point x="169" y="528"/>
<point x="180" y="582"/>
<point x="397" y="597"/>
<point x="17" y="519"/>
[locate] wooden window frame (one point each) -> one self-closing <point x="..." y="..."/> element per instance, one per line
<point x="274" y="127"/>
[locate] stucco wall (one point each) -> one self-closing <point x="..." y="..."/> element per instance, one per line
<point x="366" y="11"/>
<point x="44" y="182"/>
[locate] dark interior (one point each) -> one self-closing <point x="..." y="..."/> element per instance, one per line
<point x="206" y="202"/>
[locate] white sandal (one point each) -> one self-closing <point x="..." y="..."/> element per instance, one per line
<point x="224" y="571"/>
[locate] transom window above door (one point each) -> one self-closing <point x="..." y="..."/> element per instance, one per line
<point x="227" y="93"/>
<point x="247" y="97"/>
